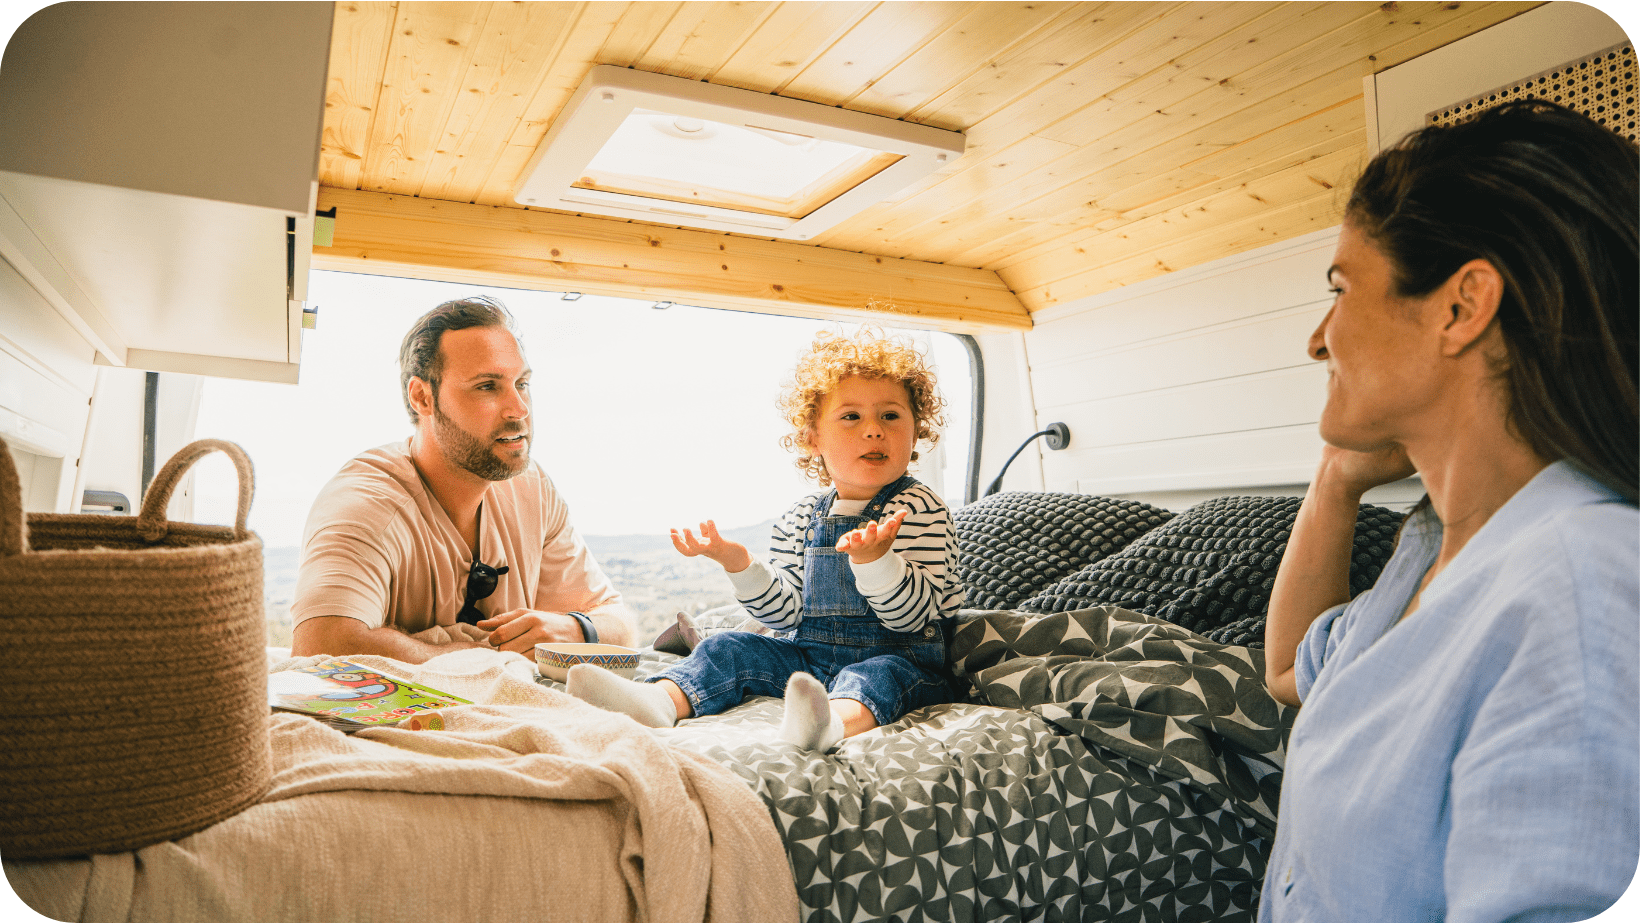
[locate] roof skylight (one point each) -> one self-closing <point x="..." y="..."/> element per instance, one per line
<point x="663" y="149"/>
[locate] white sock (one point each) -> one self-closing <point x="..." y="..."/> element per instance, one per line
<point x="646" y="702"/>
<point x="809" y="721"/>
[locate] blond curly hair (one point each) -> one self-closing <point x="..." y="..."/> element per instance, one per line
<point x="871" y="354"/>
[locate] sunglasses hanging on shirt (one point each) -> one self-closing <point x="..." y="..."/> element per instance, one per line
<point x="481" y="582"/>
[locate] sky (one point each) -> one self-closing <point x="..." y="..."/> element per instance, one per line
<point x="645" y="418"/>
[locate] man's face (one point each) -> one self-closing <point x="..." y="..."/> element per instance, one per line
<point x="481" y="407"/>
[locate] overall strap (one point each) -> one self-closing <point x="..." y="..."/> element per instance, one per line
<point x="822" y="509"/>
<point x="874" y="510"/>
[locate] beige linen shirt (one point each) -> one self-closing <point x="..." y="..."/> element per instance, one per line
<point x="378" y="547"/>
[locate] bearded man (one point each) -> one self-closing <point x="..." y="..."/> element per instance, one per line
<point x="452" y="538"/>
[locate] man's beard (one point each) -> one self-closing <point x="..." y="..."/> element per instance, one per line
<point x="466" y="451"/>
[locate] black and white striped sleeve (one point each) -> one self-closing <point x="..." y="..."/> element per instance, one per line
<point x="916" y="581"/>
<point x="772" y="591"/>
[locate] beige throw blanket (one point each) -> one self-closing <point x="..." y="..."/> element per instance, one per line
<point x="530" y="806"/>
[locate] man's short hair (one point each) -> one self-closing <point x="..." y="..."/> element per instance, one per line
<point x="420" y="355"/>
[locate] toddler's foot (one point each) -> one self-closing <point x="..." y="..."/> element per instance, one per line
<point x="809" y="721"/>
<point x="679" y="638"/>
<point x="687" y="631"/>
<point x="646" y="702"/>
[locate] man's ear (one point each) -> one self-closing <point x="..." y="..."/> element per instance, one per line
<point x="1471" y="297"/>
<point x="421" y="396"/>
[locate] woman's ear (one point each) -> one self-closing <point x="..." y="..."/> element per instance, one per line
<point x="1471" y="297"/>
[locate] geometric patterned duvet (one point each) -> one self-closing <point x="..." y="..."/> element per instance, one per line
<point x="1109" y="766"/>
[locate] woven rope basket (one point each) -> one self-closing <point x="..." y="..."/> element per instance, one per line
<point x="132" y="670"/>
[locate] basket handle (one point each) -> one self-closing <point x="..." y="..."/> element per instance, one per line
<point x="151" y="522"/>
<point x="13" y="525"/>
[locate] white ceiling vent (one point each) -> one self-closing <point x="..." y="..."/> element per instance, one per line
<point x="630" y="144"/>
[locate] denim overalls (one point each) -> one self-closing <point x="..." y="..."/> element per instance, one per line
<point x="840" y="641"/>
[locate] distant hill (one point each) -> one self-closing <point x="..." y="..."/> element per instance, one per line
<point x="755" y="538"/>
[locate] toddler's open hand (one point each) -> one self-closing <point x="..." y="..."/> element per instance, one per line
<point x="731" y="555"/>
<point x="871" y="541"/>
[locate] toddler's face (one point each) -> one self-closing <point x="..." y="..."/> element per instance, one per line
<point x="865" y="432"/>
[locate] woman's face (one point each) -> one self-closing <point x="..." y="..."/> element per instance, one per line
<point x="1382" y="352"/>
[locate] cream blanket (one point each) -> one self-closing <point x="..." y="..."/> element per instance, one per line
<point x="531" y="805"/>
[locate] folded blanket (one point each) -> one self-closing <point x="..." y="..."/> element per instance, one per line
<point x="1194" y="710"/>
<point x="530" y="805"/>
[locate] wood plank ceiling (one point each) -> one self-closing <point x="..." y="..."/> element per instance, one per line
<point x="1107" y="142"/>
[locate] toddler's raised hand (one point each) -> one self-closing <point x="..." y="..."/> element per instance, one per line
<point x="871" y="541"/>
<point x="731" y="555"/>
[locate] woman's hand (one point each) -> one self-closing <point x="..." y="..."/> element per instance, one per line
<point x="731" y="555"/>
<point x="1356" y="472"/>
<point x="873" y="540"/>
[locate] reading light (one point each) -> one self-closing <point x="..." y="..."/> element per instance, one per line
<point x="630" y="144"/>
<point x="1059" y="436"/>
<point x="571" y="296"/>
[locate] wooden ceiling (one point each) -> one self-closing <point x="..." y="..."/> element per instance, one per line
<point x="1107" y="142"/>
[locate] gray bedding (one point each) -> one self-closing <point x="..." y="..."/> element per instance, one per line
<point x="1108" y="766"/>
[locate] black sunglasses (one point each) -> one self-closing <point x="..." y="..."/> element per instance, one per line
<point x="481" y="582"/>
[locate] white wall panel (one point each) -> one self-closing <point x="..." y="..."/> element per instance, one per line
<point x="1272" y="278"/>
<point x="1260" y="401"/>
<point x="1243" y="347"/>
<point x="1009" y="417"/>
<point x="46" y="376"/>
<point x="1197" y="382"/>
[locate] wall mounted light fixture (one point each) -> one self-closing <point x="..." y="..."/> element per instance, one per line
<point x="1059" y="436"/>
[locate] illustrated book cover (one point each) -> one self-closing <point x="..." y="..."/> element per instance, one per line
<point x="350" y="696"/>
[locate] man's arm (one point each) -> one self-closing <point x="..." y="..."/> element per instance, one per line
<point x="344" y="635"/>
<point x="616" y="624"/>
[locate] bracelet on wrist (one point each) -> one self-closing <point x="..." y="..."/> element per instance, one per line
<point x="588" y="630"/>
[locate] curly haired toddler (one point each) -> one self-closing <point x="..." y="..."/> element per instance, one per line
<point x="860" y="577"/>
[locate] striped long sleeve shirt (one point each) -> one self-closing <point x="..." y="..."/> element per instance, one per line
<point x="912" y="584"/>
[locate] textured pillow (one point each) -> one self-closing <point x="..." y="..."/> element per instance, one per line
<point x="1014" y="544"/>
<point x="1210" y="569"/>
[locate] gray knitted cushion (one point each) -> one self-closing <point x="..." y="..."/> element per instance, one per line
<point x="1210" y="569"/>
<point x="1016" y="543"/>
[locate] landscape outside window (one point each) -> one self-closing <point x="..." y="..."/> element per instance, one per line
<point x="645" y="419"/>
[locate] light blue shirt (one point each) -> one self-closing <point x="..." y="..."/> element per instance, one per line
<point x="1479" y="760"/>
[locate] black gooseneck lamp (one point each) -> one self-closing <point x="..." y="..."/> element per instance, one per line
<point x="1059" y="436"/>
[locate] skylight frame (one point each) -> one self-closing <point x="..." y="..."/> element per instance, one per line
<point x="609" y="95"/>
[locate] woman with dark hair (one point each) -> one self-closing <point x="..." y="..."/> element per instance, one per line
<point x="1468" y="746"/>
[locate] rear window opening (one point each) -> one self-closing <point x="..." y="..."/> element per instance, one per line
<point x="645" y="418"/>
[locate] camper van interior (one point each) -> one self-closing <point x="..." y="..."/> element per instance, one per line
<point x="1109" y="222"/>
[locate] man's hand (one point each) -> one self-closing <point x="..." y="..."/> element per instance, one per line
<point x="731" y="555"/>
<point x="871" y="541"/>
<point x="521" y="630"/>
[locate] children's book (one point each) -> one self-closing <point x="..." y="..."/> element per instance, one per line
<point x="350" y="696"/>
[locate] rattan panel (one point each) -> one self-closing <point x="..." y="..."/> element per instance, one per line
<point x="1601" y="86"/>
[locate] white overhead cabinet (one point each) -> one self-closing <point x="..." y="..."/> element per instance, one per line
<point x="158" y="169"/>
<point x="158" y="172"/>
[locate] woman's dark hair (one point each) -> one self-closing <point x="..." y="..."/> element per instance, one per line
<point x="1551" y="199"/>
<point x="419" y="354"/>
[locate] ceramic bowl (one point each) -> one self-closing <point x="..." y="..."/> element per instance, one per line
<point x="554" y="659"/>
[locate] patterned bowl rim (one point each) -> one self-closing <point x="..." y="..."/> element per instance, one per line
<point x="603" y="659"/>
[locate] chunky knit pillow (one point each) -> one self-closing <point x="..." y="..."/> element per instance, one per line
<point x="1210" y="569"/>
<point x="1014" y="544"/>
